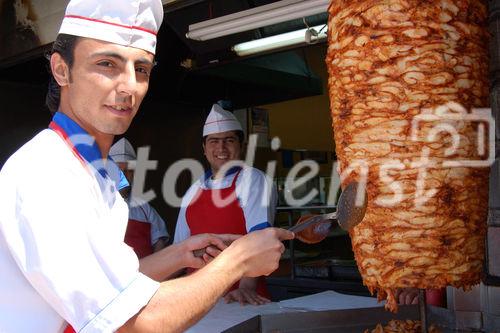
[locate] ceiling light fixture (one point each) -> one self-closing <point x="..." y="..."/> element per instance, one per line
<point x="308" y="35"/>
<point x="277" y="12"/>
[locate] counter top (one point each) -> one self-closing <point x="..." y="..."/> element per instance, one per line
<point x="224" y="316"/>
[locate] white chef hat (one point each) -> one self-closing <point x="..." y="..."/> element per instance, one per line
<point x="122" y="151"/>
<point x="132" y="23"/>
<point x="220" y="120"/>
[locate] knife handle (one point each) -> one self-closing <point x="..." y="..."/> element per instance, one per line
<point x="199" y="253"/>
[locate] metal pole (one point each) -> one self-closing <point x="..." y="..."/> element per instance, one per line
<point x="423" y="310"/>
<point x="292" y="248"/>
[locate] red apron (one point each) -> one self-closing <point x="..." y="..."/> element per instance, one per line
<point x="138" y="236"/>
<point x="203" y="216"/>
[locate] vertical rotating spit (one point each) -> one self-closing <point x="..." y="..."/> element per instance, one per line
<point x="422" y="306"/>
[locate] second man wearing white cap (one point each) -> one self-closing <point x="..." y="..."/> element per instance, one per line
<point x="146" y="230"/>
<point x="251" y="204"/>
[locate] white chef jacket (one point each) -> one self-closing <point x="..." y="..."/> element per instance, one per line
<point x="62" y="254"/>
<point x="255" y="192"/>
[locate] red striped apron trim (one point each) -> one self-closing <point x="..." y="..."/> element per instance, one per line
<point x="69" y="329"/>
<point x="112" y="23"/>
<point x="56" y="128"/>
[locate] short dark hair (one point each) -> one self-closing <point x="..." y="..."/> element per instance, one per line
<point x="239" y="134"/>
<point x="65" y="46"/>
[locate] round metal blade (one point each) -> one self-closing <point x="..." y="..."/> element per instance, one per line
<point x="349" y="212"/>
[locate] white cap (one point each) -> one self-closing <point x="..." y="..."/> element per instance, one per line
<point x="122" y="151"/>
<point x="220" y="120"/>
<point x="132" y="23"/>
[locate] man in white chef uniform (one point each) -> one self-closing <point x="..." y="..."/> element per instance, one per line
<point x="62" y="221"/>
<point x="249" y="194"/>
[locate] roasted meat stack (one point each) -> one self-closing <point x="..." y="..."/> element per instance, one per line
<point x="402" y="326"/>
<point x="404" y="79"/>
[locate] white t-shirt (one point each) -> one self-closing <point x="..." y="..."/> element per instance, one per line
<point x="62" y="254"/>
<point x="255" y="193"/>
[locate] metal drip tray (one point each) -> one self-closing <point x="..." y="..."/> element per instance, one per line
<point x="354" y="321"/>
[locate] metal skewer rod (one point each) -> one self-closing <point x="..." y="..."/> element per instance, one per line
<point x="423" y="310"/>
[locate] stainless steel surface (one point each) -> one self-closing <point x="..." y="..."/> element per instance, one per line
<point x="493" y="248"/>
<point x="477" y="310"/>
<point x="490" y="301"/>
<point x="494" y="217"/>
<point x="460" y="300"/>
<point x="494" y="183"/>
<point x="342" y="321"/>
<point x="458" y="321"/>
<point x="491" y="323"/>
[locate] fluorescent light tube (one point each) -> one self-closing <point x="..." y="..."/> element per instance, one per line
<point x="277" y="12"/>
<point x="277" y="41"/>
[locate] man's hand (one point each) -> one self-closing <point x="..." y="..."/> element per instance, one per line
<point x="259" y="252"/>
<point x="245" y="296"/>
<point x="212" y="243"/>
<point x="246" y="293"/>
<point x="407" y="296"/>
